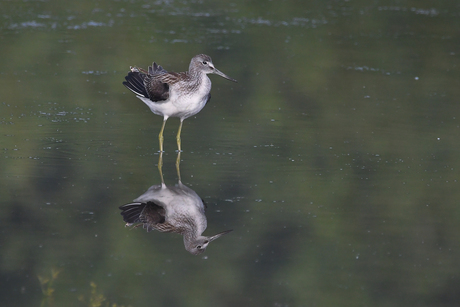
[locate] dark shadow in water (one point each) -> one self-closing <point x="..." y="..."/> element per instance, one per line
<point x="171" y="209"/>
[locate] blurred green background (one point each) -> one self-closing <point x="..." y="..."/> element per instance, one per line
<point x="334" y="158"/>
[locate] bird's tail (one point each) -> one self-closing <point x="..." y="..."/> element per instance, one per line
<point x="135" y="82"/>
<point x="148" y="214"/>
<point x="131" y="212"/>
<point x="135" y="78"/>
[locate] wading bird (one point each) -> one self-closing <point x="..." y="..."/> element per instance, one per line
<point x="171" y="94"/>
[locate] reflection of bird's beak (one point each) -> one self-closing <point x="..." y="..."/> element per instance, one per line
<point x="218" y="72"/>
<point x="219" y="235"/>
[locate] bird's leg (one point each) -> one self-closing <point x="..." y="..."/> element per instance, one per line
<point x="178" y="136"/>
<point x="177" y="165"/>
<point x="160" y="136"/>
<point x="160" y="166"/>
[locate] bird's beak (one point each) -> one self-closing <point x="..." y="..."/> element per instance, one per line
<point x="219" y="235"/>
<point x="218" y="72"/>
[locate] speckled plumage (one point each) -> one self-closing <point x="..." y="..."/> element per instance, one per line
<point x="175" y="209"/>
<point x="171" y="94"/>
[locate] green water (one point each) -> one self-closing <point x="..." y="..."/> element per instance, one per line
<point x="335" y="158"/>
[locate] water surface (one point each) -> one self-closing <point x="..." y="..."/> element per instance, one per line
<point x="334" y="159"/>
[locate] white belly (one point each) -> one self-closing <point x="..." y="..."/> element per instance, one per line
<point x="180" y="104"/>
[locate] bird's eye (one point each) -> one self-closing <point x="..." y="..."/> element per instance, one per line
<point x="199" y="247"/>
<point x="205" y="63"/>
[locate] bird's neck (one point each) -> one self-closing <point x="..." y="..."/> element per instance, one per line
<point x="198" y="80"/>
<point x="189" y="238"/>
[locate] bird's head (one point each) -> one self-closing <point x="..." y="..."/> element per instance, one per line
<point x="198" y="246"/>
<point x="203" y="63"/>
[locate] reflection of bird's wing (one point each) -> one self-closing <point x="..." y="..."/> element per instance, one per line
<point x="152" y="215"/>
<point x="131" y="212"/>
<point x="149" y="214"/>
<point x="166" y="227"/>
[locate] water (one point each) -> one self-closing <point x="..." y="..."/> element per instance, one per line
<point x="334" y="159"/>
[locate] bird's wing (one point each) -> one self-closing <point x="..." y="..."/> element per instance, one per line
<point x="155" y="69"/>
<point x="149" y="215"/>
<point x="152" y="214"/>
<point x="131" y="212"/>
<point x="159" y="83"/>
<point x="166" y="227"/>
<point x="135" y="82"/>
<point x="170" y="78"/>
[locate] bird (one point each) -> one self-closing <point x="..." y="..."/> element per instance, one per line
<point x="176" y="209"/>
<point x="172" y="94"/>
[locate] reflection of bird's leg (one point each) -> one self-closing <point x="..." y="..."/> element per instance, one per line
<point x="160" y="136"/>
<point x="177" y="165"/>
<point x="178" y="136"/>
<point x="160" y="166"/>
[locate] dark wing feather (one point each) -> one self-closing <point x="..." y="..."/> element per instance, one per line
<point x="157" y="84"/>
<point x="150" y="215"/>
<point x="157" y="90"/>
<point x="152" y="83"/>
<point x="156" y="69"/>
<point x="135" y="83"/>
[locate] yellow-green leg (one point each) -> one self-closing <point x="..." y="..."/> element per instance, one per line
<point x="178" y="136"/>
<point x="160" y="136"/>
<point x="177" y="165"/>
<point x="160" y="166"/>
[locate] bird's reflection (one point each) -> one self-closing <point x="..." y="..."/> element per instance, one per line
<point x="175" y="209"/>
